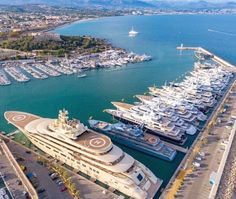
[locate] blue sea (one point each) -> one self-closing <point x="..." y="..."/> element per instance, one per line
<point x="158" y="36"/>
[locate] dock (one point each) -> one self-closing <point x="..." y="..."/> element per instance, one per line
<point x="177" y="147"/>
<point x="214" y="57"/>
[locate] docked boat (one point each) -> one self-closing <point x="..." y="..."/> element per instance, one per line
<point x="151" y="122"/>
<point x="82" y="75"/>
<point x="133" y="136"/>
<point x="87" y="151"/>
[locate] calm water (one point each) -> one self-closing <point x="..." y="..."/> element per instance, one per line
<point x="159" y="36"/>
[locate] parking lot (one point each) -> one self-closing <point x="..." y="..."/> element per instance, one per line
<point x="38" y="174"/>
<point x="87" y="188"/>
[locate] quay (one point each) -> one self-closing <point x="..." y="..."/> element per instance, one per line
<point x="214" y="141"/>
<point x="87" y="188"/>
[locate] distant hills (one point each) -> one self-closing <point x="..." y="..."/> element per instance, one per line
<point x="191" y="4"/>
<point x="83" y="3"/>
<point x="174" y="4"/>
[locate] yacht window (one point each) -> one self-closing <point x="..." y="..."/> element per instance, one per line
<point x="140" y="177"/>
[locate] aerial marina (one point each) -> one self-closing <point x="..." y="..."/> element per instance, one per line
<point x="159" y="125"/>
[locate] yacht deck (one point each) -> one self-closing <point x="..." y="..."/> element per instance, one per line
<point x="93" y="140"/>
<point x="25" y="121"/>
<point x="19" y="119"/>
<point x="144" y="97"/>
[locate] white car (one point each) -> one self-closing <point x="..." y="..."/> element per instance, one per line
<point x="198" y="158"/>
<point x="196" y="164"/>
<point x="201" y="153"/>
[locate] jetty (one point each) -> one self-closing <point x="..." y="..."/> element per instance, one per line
<point x="212" y="56"/>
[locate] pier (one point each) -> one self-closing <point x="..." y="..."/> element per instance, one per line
<point x="214" y="57"/>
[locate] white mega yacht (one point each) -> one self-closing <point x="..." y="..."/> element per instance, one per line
<point x="87" y="151"/>
<point x="132" y="32"/>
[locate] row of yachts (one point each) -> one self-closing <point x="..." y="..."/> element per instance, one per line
<point x="179" y="109"/>
<point x="22" y="71"/>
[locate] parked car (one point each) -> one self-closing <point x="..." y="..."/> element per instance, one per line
<point x="198" y="158"/>
<point x="50" y="173"/>
<point x="196" y="164"/>
<point x="28" y="152"/>
<point x="58" y="181"/>
<point x="41" y="190"/>
<point x="63" y="188"/>
<point x="201" y="154"/>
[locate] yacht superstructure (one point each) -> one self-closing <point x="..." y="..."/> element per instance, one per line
<point x="87" y="151"/>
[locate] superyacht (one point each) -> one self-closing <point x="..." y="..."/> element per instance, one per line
<point x="133" y="136"/>
<point x="151" y="122"/>
<point x="87" y="151"/>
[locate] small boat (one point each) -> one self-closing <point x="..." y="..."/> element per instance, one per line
<point x="82" y="75"/>
<point x="133" y="33"/>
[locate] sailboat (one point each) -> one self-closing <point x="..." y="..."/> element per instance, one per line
<point x="133" y="33"/>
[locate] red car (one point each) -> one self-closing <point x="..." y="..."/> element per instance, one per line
<point x="63" y="188"/>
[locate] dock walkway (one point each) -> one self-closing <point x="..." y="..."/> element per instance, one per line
<point x="176" y="147"/>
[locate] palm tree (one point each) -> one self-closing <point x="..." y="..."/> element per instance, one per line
<point x="72" y="187"/>
<point x="64" y="175"/>
<point x="77" y="194"/>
